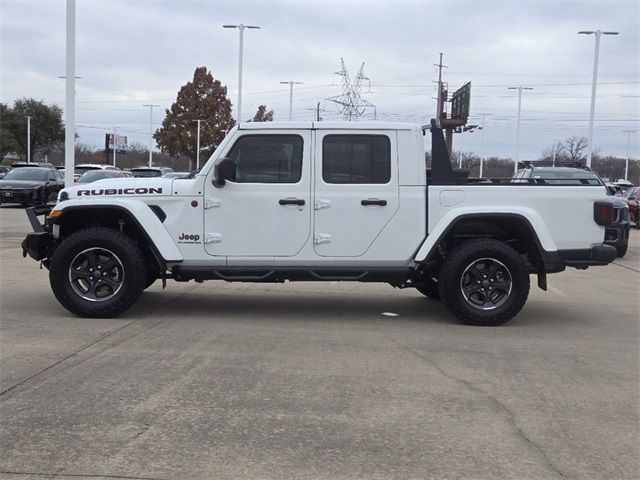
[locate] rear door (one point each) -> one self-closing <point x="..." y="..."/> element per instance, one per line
<point x="356" y="189"/>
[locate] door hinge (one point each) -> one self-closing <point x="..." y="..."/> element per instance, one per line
<point x="213" y="238"/>
<point x="212" y="203"/>
<point x="322" y="238"/>
<point x="320" y="203"/>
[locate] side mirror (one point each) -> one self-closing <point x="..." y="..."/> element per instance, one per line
<point x="223" y="170"/>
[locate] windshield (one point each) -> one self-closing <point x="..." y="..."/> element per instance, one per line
<point x="146" y="173"/>
<point x="26" y="173"/>
<point x="93" y="175"/>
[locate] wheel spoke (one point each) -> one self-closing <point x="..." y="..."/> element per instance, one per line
<point x="486" y="283"/>
<point x="96" y="274"/>
<point x="76" y="274"/>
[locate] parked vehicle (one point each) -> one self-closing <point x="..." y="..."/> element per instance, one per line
<point x="147" y="172"/>
<point x="85" y="167"/>
<point x="616" y="234"/>
<point x="322" y="201"/>
<point x="623" y="184"/>
<point x="614" y="189"/>
<point x="3" y="171"/>
<point x="632" y="199"/>
<point x="94" y="175"/>
<point x="30" y="185"/>
<point x="32" y="164"/>
<point x="176" y="175"/>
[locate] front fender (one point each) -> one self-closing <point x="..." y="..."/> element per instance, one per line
<point x="147" y="221"/>
<point x="449" y="220"/>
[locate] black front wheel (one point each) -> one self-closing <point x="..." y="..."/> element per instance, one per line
<point x="484" y="282"/>
<point x="97" y="272"/>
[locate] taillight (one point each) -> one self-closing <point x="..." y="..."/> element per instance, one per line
<point x="604" y="213"/>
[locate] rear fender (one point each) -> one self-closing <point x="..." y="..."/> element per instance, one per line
<point x="449" y="220"/>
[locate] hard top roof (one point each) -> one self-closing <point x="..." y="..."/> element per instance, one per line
<point x="367" y="125"/>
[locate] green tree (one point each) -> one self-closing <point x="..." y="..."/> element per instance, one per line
<point x="7" y="142"/>
<point x="47" y="127"/>
<point x="263" y="115"/>
<point x="202" y="98"/>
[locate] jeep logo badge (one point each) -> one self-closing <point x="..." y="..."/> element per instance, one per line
<point x="189" y="238"/>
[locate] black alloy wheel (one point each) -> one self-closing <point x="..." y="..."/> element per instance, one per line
<point x="484" y="282"/>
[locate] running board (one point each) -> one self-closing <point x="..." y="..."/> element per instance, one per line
<point x="280" y="274"/>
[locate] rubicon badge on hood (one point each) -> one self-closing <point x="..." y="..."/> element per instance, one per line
<point x="121" y="191"/>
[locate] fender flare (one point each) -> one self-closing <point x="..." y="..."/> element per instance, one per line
<point x="540" y="233"/>
<point x="139" y="212"/>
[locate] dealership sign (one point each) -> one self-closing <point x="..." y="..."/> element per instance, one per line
<point x="120" y="141"/>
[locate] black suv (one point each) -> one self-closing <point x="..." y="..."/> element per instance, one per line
<point x="616" y="234"/>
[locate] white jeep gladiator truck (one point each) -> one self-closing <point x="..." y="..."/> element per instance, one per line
<point x="321" y="202"/>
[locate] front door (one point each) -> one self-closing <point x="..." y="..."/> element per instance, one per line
<point x="266" y="210"/>
<point x="356" y="190"/>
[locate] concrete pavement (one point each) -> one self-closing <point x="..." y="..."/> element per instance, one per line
<point x="310" y="380"/>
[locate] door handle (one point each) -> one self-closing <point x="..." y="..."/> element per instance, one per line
<point x="291" y="201"/>
<point x="373" y="201"/>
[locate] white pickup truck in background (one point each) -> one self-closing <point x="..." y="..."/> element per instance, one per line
<point x="321" y="201"/>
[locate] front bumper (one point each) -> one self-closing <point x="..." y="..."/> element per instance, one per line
<point x="18" y="196"/>
<point x="39" y="244"/>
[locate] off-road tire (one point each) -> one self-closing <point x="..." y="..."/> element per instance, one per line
<point x="124" y="249"/>
<point x="428" y="287"/>
<point x="452" y="277"/>
<point x="622" y="250"/>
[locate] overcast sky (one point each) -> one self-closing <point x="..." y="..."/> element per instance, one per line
<point x="132" y="52"/>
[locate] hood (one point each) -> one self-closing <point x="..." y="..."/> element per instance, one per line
<point x="21" y="183"/>
<point x="121" y="187"/>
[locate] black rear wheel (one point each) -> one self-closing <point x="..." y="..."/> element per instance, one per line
<point x="484" y="282"/>
<point x="97" y="272"/>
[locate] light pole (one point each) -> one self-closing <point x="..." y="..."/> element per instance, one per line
<point x="198" y="145"/>
<point x="70" y="101"/>
<point x="150" y="105"/>
<point x="482" y="127"/>
<point x="115" y="141"/>
<point x="556" y="143"/>
<point x="291" y="83"/>
<point x="28" y="139"/>
<point x="520" y="88"/>
<point x="598" y="34"/>
<point x="240" y="28"/>
<point x="626" y="163"/>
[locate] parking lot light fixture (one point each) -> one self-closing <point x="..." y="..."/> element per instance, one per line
<point x="240" y="28"/>
<point x="598" y="34"/>
<point x="291" y="83"/>
<point x="626" y="163"/>
<point x="520" y="88"/>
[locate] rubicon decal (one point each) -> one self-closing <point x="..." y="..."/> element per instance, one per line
<point x="189" y="238"/>
<point x="121" y="191"/>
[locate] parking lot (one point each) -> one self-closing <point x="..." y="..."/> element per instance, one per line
<point x="314" y="381"/>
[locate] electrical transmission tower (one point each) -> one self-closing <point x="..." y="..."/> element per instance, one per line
<point x="350" y="103"/>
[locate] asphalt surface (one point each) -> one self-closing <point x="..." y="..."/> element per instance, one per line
<point x="314" y="381"/>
